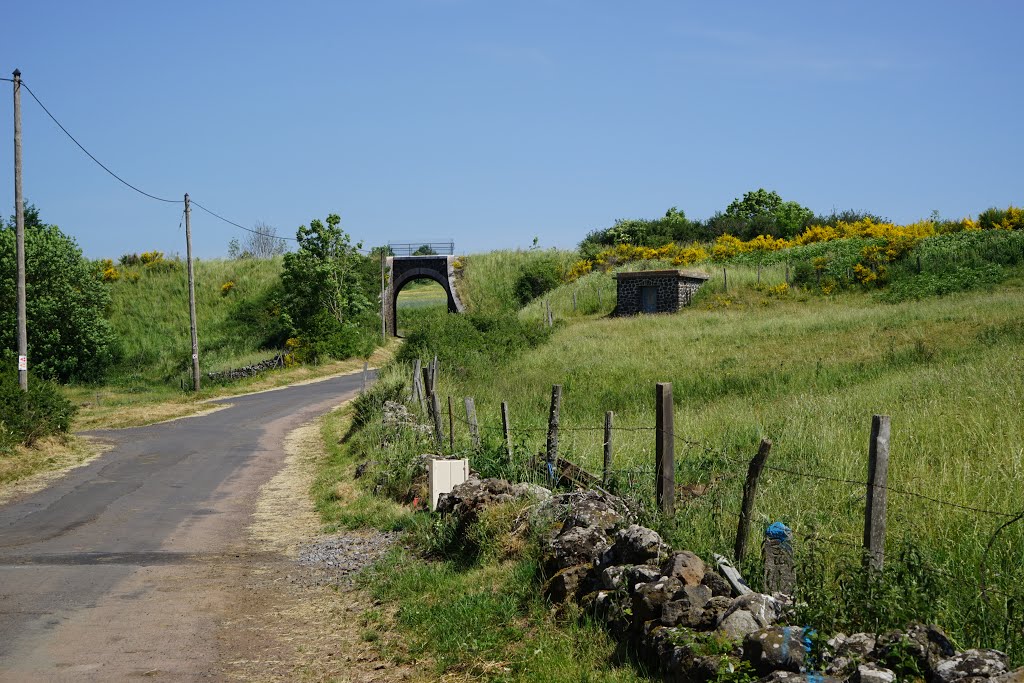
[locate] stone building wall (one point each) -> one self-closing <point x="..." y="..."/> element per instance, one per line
<point x="674" y="290"/>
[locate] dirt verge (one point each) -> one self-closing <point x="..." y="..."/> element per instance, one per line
<point x="295" y="617"/>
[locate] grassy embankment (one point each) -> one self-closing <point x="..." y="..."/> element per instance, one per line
<point x="808" y="371"/>
<point x="150" y="318"/>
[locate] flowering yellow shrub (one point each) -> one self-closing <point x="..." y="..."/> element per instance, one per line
<point x="110" y="271"/>
<point x="226" y="288"/>
<point x="625" y="253"/>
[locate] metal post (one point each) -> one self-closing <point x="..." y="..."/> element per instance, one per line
<point x="191" y="295"/>
<point x="383" y="308"/>
<point x="19" y="221"/>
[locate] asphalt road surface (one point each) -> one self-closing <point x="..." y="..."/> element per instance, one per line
<point x="126" y="567"/>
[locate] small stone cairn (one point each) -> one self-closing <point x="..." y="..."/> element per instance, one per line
<point x="664" y="605"/>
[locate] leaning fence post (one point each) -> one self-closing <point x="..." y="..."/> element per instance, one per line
<point x="417" y="394"/>
<point x="878" y="478"/>
<point x="552" y="445"/>
<point x="664" y="456"/>
<point x="749" y="493"/>
<point x="435" y="370"/>
<point x="474" y="428"/>
<point x="451" y="426"/>
<point x="435" y="408"/>
<point x="607" y="469"/>
<point x="506" y="430"/>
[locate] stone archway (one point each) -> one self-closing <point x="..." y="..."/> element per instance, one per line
<point x="401" y="270"/>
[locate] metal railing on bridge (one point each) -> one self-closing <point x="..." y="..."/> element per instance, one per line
<point x="422" y="248"/>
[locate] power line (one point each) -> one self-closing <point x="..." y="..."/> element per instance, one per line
<point x="237" y="225"/>
<point x="89" y="154"/>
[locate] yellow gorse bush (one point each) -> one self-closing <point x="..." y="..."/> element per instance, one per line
<point x="899" y="240"/>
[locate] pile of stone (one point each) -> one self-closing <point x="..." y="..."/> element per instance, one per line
<point x="249" y="370"/>
<point x="681" y="617"/>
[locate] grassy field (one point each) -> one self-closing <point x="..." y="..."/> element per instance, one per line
<point x="807" y="372"/>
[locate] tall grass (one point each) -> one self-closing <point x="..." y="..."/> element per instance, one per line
<point x="808" y="372"/>
<point x="488" y="282"/>
<point x="151" y="319"/>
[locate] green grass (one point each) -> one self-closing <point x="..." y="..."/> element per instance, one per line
<point x="488" y="281"/>
<point x="808" y="372"/>
<point x="475" y="619"/>
<point x="151" y="320"/>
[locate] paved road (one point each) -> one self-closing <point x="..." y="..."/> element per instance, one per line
<point x="120" y="569"/>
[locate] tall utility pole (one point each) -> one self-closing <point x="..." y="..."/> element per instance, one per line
<point x="191" y="295"/>
<point x="19" y="221"/>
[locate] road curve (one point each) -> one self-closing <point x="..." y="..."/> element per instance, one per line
<point x="122" y="567"/>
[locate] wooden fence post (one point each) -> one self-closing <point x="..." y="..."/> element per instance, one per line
<point x="474" y="428"/>
<point x="547" y="306"/>
<point x="606" y="471"/>
<point x="506" y="429"/>
<point x="574" y="301"/>
<point x="758" y="272"/>
<point x="556" y="406"/>
<point x="664" y="456"/>
<point x="725" y="280"/>
<point x="435" y="371"/>
<point x="417" y="385"/>
<point x="749" y="494"/>
<point x="451" y="426"/>
<point x="878" y="479"/>
<point x="435" y="408"/>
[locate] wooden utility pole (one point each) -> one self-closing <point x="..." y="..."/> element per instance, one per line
<point x="191" y="294"/>
<point x="878" y="480"/>
<point x="749" y="494"/>
<point x="665" y="449"/>
<point x="19" y="221"/>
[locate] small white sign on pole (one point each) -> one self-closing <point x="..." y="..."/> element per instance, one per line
<point x="22" y="363"/>
<point x="445" y="475"/>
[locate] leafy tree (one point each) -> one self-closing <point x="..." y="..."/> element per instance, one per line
<point x="425" y="250"/>
<point x="763" y="212"/>
<point x="69" y="337"/>
<point x="328" y="287"/>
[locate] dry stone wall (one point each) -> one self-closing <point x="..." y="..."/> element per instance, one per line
<point x="678" y="616"/>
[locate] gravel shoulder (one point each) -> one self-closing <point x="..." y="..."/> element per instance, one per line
<point x="295" y="613"/>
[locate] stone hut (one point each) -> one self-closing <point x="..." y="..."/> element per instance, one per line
<point x="656" y="291"/>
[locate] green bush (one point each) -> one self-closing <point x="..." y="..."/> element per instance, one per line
<point x="261" y="318"/>
<point x="472" y="342"/>
<point x="28" y="416"/>
<point x="537" y="277"/>
<point x="69" y="337"/>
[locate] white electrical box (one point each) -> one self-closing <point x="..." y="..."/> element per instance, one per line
<point x="444" y="476"/>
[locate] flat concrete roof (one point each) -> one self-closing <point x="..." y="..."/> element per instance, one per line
<point x="696" y="275"/>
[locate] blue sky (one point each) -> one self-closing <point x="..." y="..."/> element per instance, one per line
<point x="492" y="123"/>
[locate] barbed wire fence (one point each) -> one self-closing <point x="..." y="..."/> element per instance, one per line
<point x="715" y="489"/>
